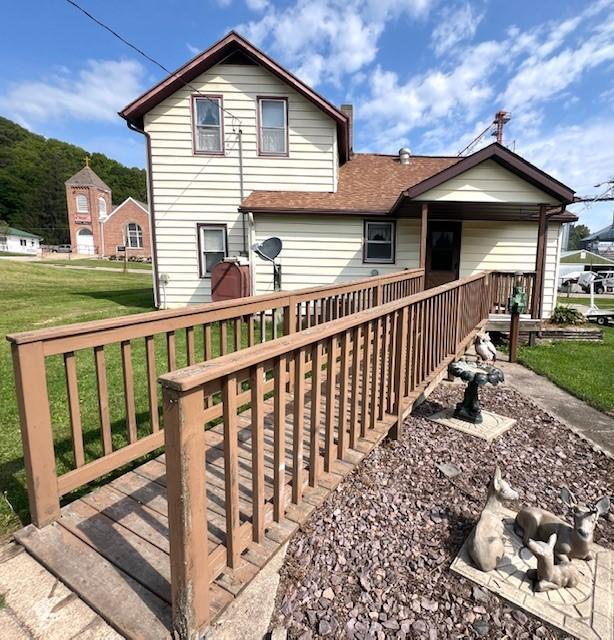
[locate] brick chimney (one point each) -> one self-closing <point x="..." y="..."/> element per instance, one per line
<point x="348" y="110"/>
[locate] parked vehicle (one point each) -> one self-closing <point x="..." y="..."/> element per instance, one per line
<point x="61" y="248"/>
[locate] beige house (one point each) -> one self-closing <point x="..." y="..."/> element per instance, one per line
<point x="239" y="150"/>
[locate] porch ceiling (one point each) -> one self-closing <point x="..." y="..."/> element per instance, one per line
<point x="440" y="210"/>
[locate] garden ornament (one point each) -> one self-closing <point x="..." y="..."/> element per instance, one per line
<point x="572" y="542"/>
<point x="484" y="348"/>
<point x="486" y="540"/>
<point x="548" y="575"/>
<point x="476" y="375"/>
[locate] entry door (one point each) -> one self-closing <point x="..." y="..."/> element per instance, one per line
<point x="442" y="252"/>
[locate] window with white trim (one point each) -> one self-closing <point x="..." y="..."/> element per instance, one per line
<point x="208" y="128"/>
<point x="134" y="236"/>
<point x="273" y="120"/>
<point x="102" y="206"/>
<point x="82" y="203"/>
<point x="212" y="247"/>
<point x="379" y="241"/>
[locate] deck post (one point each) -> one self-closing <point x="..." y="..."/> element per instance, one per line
<point x="184" y="438"/>
<point x="540" y="264"/>
<point x="36" y="432"/>
<point x="424" y="218"/>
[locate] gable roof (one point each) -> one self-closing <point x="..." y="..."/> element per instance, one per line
<point x="117" y="207"/>
<point x="12" y="231"/>
<point x="507" y="159"/>
<point x="368" y="183"/>
<point x="603" y="235"/>
<point x="87" y="178"/>
<point x="573" y="257"/>
<point x="233" y="44"/>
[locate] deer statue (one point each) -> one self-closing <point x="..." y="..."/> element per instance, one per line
<point x="548" y="575"/>
<point x="571" y="542"/>
<point x="486" y="542"/>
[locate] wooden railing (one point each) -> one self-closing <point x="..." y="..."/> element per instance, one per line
<point x="350" y="376"/>
<point x="501" y="285"/>
<point x="109" y="411"/>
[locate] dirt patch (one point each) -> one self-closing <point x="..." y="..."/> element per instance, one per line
<point x="374" y="561"/>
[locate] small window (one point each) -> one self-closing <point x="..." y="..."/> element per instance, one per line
<point x="379" y="239"/>
<point x="273" y="133"/>
<point x="23" y="243"/>
<point x="208" y="127"/>
<point x="82" y="204"/>
<point x="212" y="247"/>
<point x="102" y="206"/>
<point x="134" y="236"/>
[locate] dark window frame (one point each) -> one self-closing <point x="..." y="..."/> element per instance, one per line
<point x="202" y="268"/>
<point x="365" y="241"/>
<point x="268" y="154"/>
<point x="206" y="96"/>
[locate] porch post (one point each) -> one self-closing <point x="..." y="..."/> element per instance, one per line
<point x="540" y="264"/>
<point x="423" y="228"/>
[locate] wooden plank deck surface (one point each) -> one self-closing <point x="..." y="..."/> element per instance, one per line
<point x="112" y="545"/>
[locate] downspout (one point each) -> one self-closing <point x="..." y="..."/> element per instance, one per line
<point x="152" y="217"/>
<point x="242" y="193"/>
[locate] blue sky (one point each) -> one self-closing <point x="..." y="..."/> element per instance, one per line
<point x="428" y="74"/>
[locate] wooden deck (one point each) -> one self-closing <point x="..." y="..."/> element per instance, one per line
<point x="112" y="545"/>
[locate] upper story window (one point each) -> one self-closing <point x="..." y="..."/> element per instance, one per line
<point x="273" y="126"/>
<point x="102" y="206"/>
<point x="379" y="241"/>
<point x="134" y="236"/>
<point x="82" y="204"/>
<point x="208" y="125"/>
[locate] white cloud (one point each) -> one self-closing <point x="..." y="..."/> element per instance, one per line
<point x="192" y="49"/>
<point x="324" y="40"/>
<point x="257" y="5"/>
<point x="96" y="93"/>
<point x="224" y="3"/>
<point x="455" y="26"/>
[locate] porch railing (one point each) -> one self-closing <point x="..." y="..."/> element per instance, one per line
<point x="378" y="361"/>
<point x="501" y="285"/>
<point x="109" y="412"/>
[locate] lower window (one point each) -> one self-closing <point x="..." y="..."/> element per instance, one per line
<point x="212" y="247"/>
<point x="379" y="241"/>
<point x="134" y="236"/>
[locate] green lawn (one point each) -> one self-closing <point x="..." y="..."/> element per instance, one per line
<point x="582" y="368"/>
<point x="93" y="262"/>
<point x="602" y="303"/>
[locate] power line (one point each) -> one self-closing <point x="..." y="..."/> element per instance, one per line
<point x="148" y="57"/>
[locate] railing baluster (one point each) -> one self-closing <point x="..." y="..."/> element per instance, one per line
<point x="279" y="439"/>
<point x="316" y="396"/>
<point x="207" y="344"/>
<point x="189" y="345"/>
<point x="375" y="380"/>
<point x="331" y="393"/>
<point x="257" y="411"/>
<point x="401" y="371"/>
<point x="367" y="375"/>
<point x="355" y="399"/>
<point x="103" y="400"/>
<point x="152" y="386"/>
<point x="344" y="392"/>
<point x="171" y="351"/>
<point x="128" y="377"/>
<point x="72" y="387"/>
<point x="238" y="330"/>
<point x="298" y="431"/>
<point x="231" y="470"/>
<point x="223" y="337"/>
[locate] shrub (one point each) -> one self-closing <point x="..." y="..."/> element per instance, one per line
<point x="563" y="314"/>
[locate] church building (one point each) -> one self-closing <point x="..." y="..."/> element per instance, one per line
<point x="98" y="228"/>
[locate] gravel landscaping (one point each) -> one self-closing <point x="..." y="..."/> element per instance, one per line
<point x="374" y="561"/>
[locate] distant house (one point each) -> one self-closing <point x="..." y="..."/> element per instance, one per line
<point x="17" y="241"/>
<point x="239" y="150"/>
<point x="601" y="241"/>
<point x="99" y="228"/>
<point x="583" y="260"/>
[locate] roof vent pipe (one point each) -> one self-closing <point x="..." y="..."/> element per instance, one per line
<point x="404" y="155"/>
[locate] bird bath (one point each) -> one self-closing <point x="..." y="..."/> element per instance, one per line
<point x="475" y="375"/>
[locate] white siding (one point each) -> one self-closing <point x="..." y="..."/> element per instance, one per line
<point x="510" y="246"/>
<point x="13" y="245"/>
<point x="327" y="249"/>
<point x="487" y="182"/>
<point x="190" y="188"/>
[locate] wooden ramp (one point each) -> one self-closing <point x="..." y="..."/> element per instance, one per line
<point x="112" y="545"/>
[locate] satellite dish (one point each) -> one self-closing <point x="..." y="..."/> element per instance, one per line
<point x="268" y="249"/>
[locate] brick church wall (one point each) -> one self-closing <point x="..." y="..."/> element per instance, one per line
<point x="115" y="230"/>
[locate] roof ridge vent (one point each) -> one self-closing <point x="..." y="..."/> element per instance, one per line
<point x="404" y="155"/>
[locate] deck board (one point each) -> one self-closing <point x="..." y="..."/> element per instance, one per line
<point x="117" y="535"/>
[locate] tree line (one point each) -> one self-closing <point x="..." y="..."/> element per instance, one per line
<point x="33" y="170"/>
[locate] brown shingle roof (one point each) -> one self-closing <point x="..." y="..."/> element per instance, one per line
<point x="87" y="178"/>
<point x="367" y="183"/>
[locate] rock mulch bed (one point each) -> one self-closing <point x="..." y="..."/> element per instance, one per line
<point x="374" y="561"/>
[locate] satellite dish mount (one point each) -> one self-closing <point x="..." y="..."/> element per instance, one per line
<point x="268" y="250"/>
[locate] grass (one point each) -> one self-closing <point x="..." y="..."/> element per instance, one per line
<point x="35" y="297"/>
<point x="582" y="368"/>
<point x="93" y="262"/>
<point x="602" y="303"/>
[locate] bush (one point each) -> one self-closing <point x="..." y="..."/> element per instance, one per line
<point x="563" y="314"/>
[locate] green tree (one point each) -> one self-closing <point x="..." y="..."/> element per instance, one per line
<point x="578" y="232"/>
<point x="33" y="170"/>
